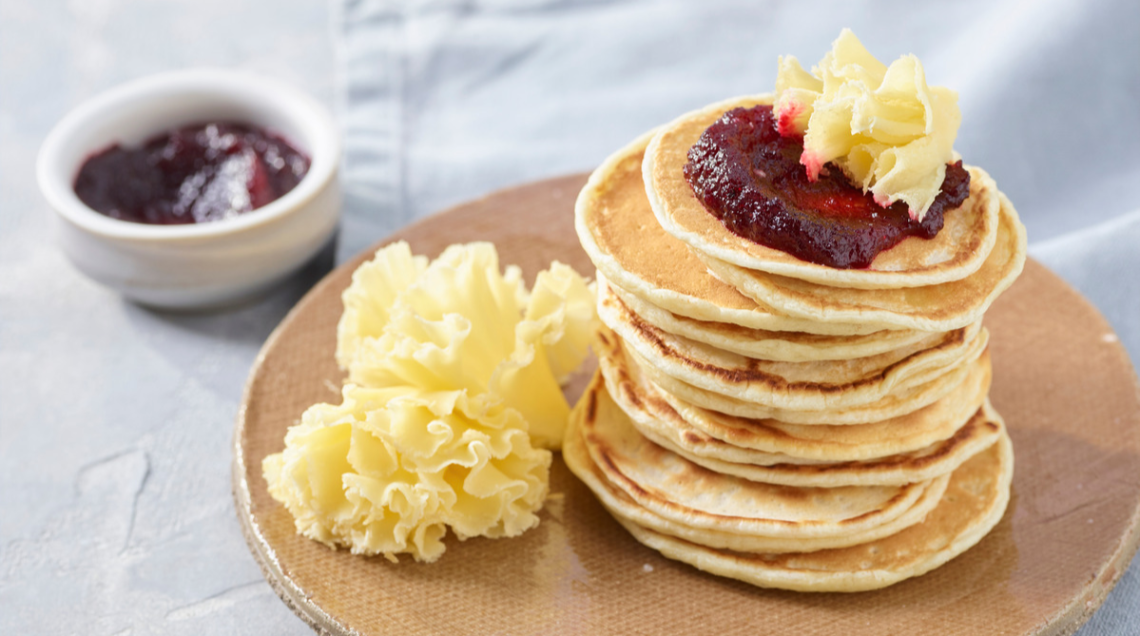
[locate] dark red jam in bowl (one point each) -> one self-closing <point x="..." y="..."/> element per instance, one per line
<point x="750" y="177"/>
<point x="195" y="174"/>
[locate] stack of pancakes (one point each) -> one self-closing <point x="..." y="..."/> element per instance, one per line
<point x="780" y="422"/>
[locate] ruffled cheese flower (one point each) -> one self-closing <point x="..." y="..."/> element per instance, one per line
<point x="454" y="371"/>
<point x="369" y="299"/>
<point x="389" y="470"/>
<point x="461" y="324"/>
<point x="883" y="126"/>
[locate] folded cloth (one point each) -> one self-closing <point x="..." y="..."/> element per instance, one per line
<point x="444" y="101"/>
<point x="1103" y="262"/>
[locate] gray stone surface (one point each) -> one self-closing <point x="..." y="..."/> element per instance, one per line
<point x="115" y="421"/>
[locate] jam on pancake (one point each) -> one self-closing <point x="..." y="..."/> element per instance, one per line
<point x="750" y="177"/>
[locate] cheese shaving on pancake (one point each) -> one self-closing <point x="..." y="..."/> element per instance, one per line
<point x="882" y="125"/>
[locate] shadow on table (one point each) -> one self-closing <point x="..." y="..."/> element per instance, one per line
<point x="251" y="321"/>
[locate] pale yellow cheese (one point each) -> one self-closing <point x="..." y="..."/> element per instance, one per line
<point x="453" y="399"/>
<point x="388" y="471"/>
<point x="370" y="297"/>
<point x="464" y="325"/>
<point x="883" y="126"/>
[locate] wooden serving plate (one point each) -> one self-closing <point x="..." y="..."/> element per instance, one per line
<point x="1061" y="379"/>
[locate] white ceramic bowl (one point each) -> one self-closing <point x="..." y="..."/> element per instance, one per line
<point x="199" y="265"/>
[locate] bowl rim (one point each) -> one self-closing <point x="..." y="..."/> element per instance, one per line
<point x="223" y="85"/>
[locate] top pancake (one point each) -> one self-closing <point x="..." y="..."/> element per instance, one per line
<point x="938" y="307"/>
<point x="957" y="251"/>
<point x="619" y="232"/>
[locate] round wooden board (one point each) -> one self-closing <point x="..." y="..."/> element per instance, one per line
<point x="1061" y="380"/>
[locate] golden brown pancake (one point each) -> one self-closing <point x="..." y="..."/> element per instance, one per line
<point x="656" y="419"/>
<point x="818" y="385"/>
<point x="787" y="346"/>
<point x="938" y="459"/>
<point x="973" y="503"/>
<point x="933" y="308"/>
<point x="735" y="439"/>
<point x="690" y="495"/>
<point x="626" y="243"/>
<point x="625" y="508"/>
<point x="958" y="250"/>
<point x="611" y="348"/>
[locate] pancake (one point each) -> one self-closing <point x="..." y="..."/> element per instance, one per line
<point x="890" y="406"/>
<point x="932" y="462"/>
<point x="816" y="385"/>
<point x="623" y="507"/>
<point x="622" y="237"/>
<point x="683" y="492"/>
<point x="974" y="502"/>
<point x="788" y="346"/>
<point x="933" y="308"/>
<point x="734" y="439"/>
<point x="936" y="460"/>
<point x="958" y="250"/>
<point x="656" y="419"/>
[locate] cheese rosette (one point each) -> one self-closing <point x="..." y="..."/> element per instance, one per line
<point x="371" y="295"/>
<point x="389" y="470"/>
<point x="883" y="126"/>
<point x="459" y="323"/>
<point x="452" y="403"/>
